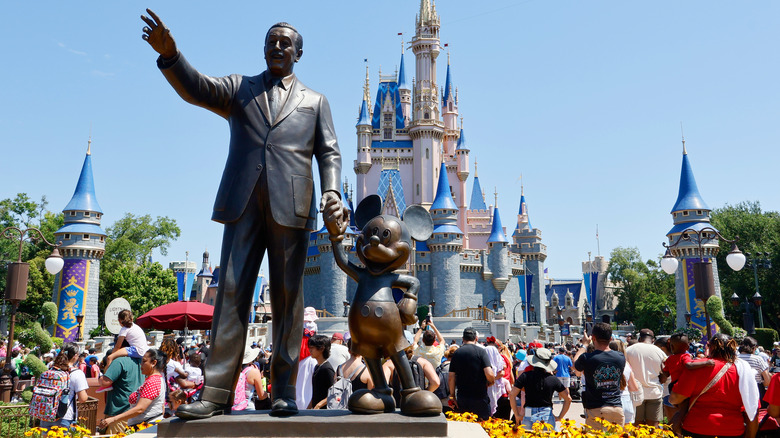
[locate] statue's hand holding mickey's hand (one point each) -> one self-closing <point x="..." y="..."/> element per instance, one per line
<point x="335" y="215"/>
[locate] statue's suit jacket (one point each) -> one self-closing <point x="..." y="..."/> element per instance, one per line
<point x="282" y="147"/>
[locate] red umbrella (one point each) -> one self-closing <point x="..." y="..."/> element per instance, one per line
<point x="180" y="315"/>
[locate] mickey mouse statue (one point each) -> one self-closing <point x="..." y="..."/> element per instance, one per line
<point x="376" y="322"/>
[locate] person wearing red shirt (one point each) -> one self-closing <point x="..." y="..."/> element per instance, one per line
<point x="719" y="410"/>
<point x="772" y="396"/>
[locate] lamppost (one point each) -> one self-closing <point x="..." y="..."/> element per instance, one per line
<point x="346" y="308"/>
<point x="759" y="261"/>
<point x="702" y="270"/>
<point x="514" y="309"/>
<point x="533" y="313"/>
<point x="16" y="289"/>
<point x="667" y="311"/>
<point x="588" y="319"/>
<point x="688" y="319"/>
<point x="79" y="320"/>
<point x="749" y="307"/>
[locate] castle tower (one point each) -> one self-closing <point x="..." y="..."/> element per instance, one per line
<point x="204" y="277"/>
<point x="76" y="287"/>
<point x="462" y="168"/>
<point x="528" y="243"/>
<point x="364" y="130"/>
<point x="445" y="245"/>
<point x="404" y="91"/>
<point x="426" y="130"/>
<point x="602" y="302"/>
<point x="498" y="255"/>
<point x="449" y="104"/>
<point x="690" y="212"/>
<point x="478" y="217"/>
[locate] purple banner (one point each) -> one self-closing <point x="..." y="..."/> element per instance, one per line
<point x="71" y="296"/>
<point x="693" y="306"/>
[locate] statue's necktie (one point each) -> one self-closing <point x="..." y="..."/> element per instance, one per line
<point x="274" y="99"/>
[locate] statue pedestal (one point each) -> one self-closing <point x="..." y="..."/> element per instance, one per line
<point x="308" y="423"/>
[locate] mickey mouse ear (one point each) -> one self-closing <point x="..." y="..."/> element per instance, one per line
<point x="369" y="208"/>
<point x="419" y="223"/>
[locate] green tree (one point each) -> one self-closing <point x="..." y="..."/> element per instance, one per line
<point x="758" y="231"/>
<point x="643" y="290"/>
<point x="145" y="286"/>
<point x="132" y="238"/>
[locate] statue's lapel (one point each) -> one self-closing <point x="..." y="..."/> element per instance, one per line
<point x="261" y="97"/>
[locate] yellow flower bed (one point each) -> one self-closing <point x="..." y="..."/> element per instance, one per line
<point x="78" y="432"/>
<point x="498" y="428"/>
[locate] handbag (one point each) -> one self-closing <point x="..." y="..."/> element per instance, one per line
<point x="678" y="418"/>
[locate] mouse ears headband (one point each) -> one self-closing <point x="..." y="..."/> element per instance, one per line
<point x="416" y="218"/>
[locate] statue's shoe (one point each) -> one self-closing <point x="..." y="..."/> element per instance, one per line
<point x="283" y="407"/>
<point x="199" y="410"/>
<point x="418" y="403"/>
<point x="364" y="401"/>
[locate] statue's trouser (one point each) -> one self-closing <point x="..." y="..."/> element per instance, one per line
<point x="244" y="244"/>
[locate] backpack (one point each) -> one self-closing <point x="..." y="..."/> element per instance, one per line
<point x="339" y="393"/>
<point x="417" y="373"/>
<point x="240" y="402"/>
<point x="51" y="388"/>
<point x="443" y="372"/>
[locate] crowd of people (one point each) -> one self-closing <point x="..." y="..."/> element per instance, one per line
<point x="716" y="389"/>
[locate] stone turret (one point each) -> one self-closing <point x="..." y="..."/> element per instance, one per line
<point x="445" y="245"/>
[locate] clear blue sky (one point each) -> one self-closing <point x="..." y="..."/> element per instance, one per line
<point x="585" y="99"/>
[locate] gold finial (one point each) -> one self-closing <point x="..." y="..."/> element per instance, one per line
<point x="448" y="56"/>
<point x="683" y="139"/>
<point x="403" y="49"/>
<point x="475" y="168"/>
<point x="366" y="89"/>
<point x="89" y="145"/>
<point x="495" y="193"/>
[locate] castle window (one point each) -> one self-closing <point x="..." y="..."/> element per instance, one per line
<point x="685" y="213"/>
<point x="418" y="190"/>
<point x="427" y="116"/>
<point x="426" y="156"/>
<point x="450" y="105"/>
<point x="97" y="215"/>
<point x="698" y="212"/>
<point x="86" y="214"/>
<point x="85" y="237"/>
<point x="72" y="213"/>
<point x="674" y="214"/>
<point x="388" y="133"/>
<point x="102" y="238"/>
<point x="388" y="117"/>
<point x="66" y="237"/>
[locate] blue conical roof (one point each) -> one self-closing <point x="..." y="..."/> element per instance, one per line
<point x="402" y="75"/>
<point x="497" y="232"/>
<point x="477" y="201"/>
<point x="688" y="197"/>
<point x="84" y="198"/>
<point x="363" y="119"/>
<point x="447" y="86"/>
<point x="443" y="200"/>
<point x="462" y="140"/>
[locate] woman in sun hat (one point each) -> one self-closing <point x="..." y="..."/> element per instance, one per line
<point x="539" y="384"/>
<point x="249" y="381"/>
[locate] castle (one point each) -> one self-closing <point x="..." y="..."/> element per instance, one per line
<point x="411" y="149"/>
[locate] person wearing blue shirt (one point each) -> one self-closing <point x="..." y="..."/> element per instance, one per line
<point x="564" y="363"/>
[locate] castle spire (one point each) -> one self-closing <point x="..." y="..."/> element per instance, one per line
<point x="449" y="91"/>
<point x="402" y="74"/>
<point x="688" y="197"/>
<point x="443" y="200"/>
<point x="477" y="198"/>
<point x="497" y="231"/>
<point x="84" y="198"/>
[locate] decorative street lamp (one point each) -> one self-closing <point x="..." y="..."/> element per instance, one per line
<point x="532" y="308"/>
<point x="688" y="319"/>
<point x="514" y="315"/>
<point x="702" y="270"/>
<point x="747" y="316"/>
<point x="759" y="261"/>
<point x="79" y="320"/>
<point x="346" y="308"/>
<point x="16" y="288"/>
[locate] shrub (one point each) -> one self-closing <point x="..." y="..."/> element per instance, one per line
<point x="57" y="342"/>
<point x="766" y="337"/>
<point x="715" y="309"/>
<point x="694" y="334"/>
<point x="49" y="312"/>
<point x="35" y="335"/>
<point x="35" y="365"/>
<point x="27" y="394"/>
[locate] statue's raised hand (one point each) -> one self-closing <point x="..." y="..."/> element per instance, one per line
<point x="157" y="34"/>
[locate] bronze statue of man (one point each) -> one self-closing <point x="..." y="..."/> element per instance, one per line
<point x="265" y="200"/>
